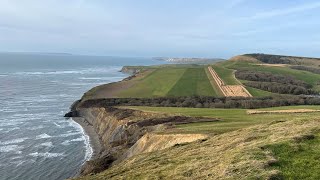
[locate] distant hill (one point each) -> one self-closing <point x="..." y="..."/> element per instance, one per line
<point x="278" y="59"/>
<point x="186" y="60"/>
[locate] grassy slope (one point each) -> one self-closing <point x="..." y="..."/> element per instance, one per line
<point x="184" y="80"/>
<point x="226" y="73"/>
<point x="257" y="152"/>
<point x="231" y="119"/>
<point x="305" y="76"/>
<point x="258" y="92"/>
<point x="156" y="84"/>
<point x="193" y="82"/>
<point x="297" y="159"/>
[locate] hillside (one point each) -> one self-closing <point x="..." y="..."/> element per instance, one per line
<point x="237" y="152"/>
<point x="235" y="119"/>
<point x="196" y="80"/>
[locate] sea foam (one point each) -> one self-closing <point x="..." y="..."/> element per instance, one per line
<point x="47" y="154"/>
<point x="14" y="141"/>
<point x="43" y="136"/>
<point x="11" y="148"/>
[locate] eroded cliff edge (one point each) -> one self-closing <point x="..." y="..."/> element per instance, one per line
<point x="124" y="132"/>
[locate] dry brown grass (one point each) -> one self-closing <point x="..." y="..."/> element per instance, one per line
<point x="244" y="58"/>
<point x="272" y="65"/>
<point x="229" y="90"/>
<point x="234" y="155"/>
<point x="282" y="111"/>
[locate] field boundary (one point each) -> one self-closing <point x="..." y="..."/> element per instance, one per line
<point x="286" y="111"/>
<point x="229" y="90"/>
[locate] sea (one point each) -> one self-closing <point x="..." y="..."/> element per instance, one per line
<point x="36" y="90"/>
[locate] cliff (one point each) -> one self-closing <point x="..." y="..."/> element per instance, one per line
<point x="124" y="133"/>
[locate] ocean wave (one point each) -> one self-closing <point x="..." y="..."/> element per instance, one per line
<point x="69" y="134"/>
<point x="35" y="127"/>
<point x="47" y="154"/>
<point x="10" y="123"/>
<point x="81" y="84"/>
<point x="14" y="141"/>
<point x="11" y="148"/>
<point x="91" y="78"/>
<point x="95" y="70"/>
<point x="11" y="129"/>
<point x="43" y="136"/>
<point x="21" y="162"/>
<point x="80" y="139"/>
<point x="46" y="144"/>
<point x="58" y="125"/>
<point x="103" y="79"/>
<point x="85" y="138"/>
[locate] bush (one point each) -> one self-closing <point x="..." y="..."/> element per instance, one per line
<point x="204" y="102"/>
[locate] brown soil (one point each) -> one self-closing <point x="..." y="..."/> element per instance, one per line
<point x="229" y="90"/>
<point x="283" y="111"/>
<point x="273" y="65"/>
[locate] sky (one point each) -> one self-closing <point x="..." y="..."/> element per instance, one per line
<point x="171" y="28"/>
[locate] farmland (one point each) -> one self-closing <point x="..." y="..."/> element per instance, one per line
<point x="172" y="81"/>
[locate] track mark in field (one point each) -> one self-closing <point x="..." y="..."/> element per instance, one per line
<point x="229" y="90"/>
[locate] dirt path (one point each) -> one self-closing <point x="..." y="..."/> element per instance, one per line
<point x="282" y="111"/>
<point x="229" y="90"/>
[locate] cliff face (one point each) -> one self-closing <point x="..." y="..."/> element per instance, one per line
<point x="117" y="128"/>
<point x="117" y="132"/>
<point x="124" y="133"/>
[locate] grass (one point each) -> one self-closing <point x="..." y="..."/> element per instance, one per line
<point x="241" y="154"/>
<point x="226" y="75"/>
<point x="213" y="83"/>
<point x="258" y="93"/>
<point x="230" y="119"/>
<point x="175" y="80"/>
<point x="305" y="76"/>
<point x="157" y="84"/>
<point x="297" y="160"/>
<point x="194" y="81"/>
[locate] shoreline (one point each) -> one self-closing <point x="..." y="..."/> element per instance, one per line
<point x="94" y="140"/>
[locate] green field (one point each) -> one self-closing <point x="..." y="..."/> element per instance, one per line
<point x="194" y="81"/>
<point x="157" y="84"/>
<point x="230" y="119"/>
<point x="227" y="75"/>
<point x="305" y="76"/>
<point x="172" y="81"/>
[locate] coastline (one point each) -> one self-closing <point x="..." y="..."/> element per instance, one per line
<point x="95" y="143"/>
<point x="94" y="140"/>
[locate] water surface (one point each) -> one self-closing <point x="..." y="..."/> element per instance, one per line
<point x="36" y="142"/>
